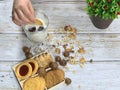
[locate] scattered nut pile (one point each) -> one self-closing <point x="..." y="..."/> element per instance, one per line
<point x="68" y="48"/>
<point x="53" y="65"/>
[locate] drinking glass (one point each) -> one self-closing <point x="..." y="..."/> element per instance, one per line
<point x="37" y="32"/>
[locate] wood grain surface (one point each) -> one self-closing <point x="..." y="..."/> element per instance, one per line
<point x="102" y="46"/>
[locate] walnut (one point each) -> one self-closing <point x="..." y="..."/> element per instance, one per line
<point x="82" y="60"/>
<point x="57" y="50"/>
<point x="81" y="50"/>
<point x="67" y="28"/>
<point x="72" y="36"/>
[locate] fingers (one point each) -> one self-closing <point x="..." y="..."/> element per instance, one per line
<point x="16" y="20"/>
<point x="31" y="8"/>
<point x="28" y="14"/>
<point x="22" y="17"/>
<point x="23" y="12"/>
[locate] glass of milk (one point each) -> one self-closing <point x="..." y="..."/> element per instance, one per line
<point x="37" y="32"/>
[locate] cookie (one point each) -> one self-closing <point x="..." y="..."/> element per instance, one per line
<point x="34" y="83"/>
<point x="49" y="79"/>
<point x="60" y="75"/>
<point x="38" y="22"/>
<point x="23" y="70"/>
<point x="53" y="77"/>
<point x="44" y="60"/>
<point x="34" y="65"/>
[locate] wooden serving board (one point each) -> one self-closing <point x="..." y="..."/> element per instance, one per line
<point x="59" y="86"/>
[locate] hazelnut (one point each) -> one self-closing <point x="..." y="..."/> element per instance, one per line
<point x="57" y="50"/>
<point x="68" y="81"/>
<point x="29" y="55"/>
<point x="63" y="62"/>
<point x="42" y="72"/>
<point x="53" y="65"/>
<point x="66" y="53"/>
<point x="57" y="58"/>
<point x="26" y="49"/>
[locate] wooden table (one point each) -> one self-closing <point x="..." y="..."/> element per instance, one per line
<point x="103" y="46"/>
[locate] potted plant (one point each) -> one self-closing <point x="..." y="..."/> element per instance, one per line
<point x="103" y="12"/>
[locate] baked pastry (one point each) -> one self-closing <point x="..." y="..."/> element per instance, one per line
<point x="44" y="59"/>
<point x="34" y="83"/>
<point x="53" y="77"/>
<point x="23" y="70"/>
<point x="38" y="22"/>
<point x="34" y="65"/>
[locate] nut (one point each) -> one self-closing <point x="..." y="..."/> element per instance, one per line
<point x="66" y="53"/>
<point x="42" y="72"/>
<point x="57" y="50"/>
<point x="65" y="46"/>
<point x="67" y="28"/>
<point x="68" y="81"/>
<point x="82" y="60"/>
<point x="53" y="65"/>
<point x="63" y="62"/>
<point x="81" y="50"/>
<point x="26" y="49"/>
<point x="28" y="55"/>
<point x="57" y="58"/>
<point x="72" y="36"/>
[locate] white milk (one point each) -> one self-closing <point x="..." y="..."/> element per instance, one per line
<point x="36" y="36"/>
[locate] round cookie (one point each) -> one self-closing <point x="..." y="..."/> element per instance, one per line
<point x="34" y="65"/>
<point x="50" y="79"/>
<point x="60" y="75"/>
<point x="34" y="83"/>
<point x="38" y="22"/>
<point x="23" y="70"/>
<point x="53" y="77"/>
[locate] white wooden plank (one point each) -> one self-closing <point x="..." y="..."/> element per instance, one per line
<point x="75" y="15"/>
<point x="11" y="46"/>
<point x="99" y="47"/>
<point x="93" y="76"/>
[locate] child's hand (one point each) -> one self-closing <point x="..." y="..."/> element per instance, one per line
<point x="22" y="12"/>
